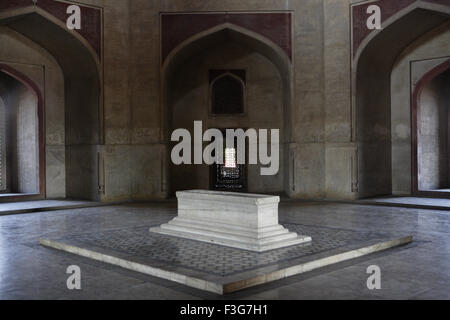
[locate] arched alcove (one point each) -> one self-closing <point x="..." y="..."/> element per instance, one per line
<point x="82" y="93"/>
<point x="23" y="160"/>
<point x="227" y="47"/>
<point x="372" y="91"/>
<point x="430" y="132"/>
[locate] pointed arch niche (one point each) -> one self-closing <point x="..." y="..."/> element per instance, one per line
<point x="71" y="138"/>
<point x="268" y="91"/>
<point x="371" y="73"/>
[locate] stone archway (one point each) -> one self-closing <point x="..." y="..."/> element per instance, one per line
<point x="81" y="68"/>
<point x="440" y="175"/>
<point x="371" y="78"/>
<point x="23" y="162"/>
<point x="230" y="33"/>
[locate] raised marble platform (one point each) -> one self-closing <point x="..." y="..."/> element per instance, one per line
<point x="220" y="269"/>
<point x="238" y="220"/>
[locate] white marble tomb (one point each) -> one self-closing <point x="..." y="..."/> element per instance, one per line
<point x="238" y="220"/>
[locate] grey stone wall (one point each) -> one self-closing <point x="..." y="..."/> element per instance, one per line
<point x="322" y="158"/>
<point x="128" y="158"/>
<point x="133" y="105"/>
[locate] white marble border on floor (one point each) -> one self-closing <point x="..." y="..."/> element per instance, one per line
<point x="231" y="286"/>
<point x="22" y="207"/>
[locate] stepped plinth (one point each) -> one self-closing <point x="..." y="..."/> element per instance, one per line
<point x="238" y="220"/>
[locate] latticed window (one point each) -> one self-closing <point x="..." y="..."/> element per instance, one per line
<point x="230" y="158"/>
<point x="2" y="147"/>
<point x="230" y="176"/>
<point x="230" y="171"/>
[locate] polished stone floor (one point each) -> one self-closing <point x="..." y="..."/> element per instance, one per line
<point x="43" y="205"/>
<point x="424" y="203"/>
<point x="418" y="271"/>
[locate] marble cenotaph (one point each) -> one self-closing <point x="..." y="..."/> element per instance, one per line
<point x="238" y="220"/>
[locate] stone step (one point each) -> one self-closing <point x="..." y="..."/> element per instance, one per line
<point x="225" y="233"/>
<point x="230" y="229"/>
<point x="283" y="235"/>
<point x="290" y="240"/>
<point x="286" y="243"/>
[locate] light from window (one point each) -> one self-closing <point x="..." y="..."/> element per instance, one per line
<point x="230" y="158"/>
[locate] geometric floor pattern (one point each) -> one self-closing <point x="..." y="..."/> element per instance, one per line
<point x="215" y="259"/>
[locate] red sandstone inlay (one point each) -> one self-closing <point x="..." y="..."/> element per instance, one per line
<point x="91" y="22"/>
<point x="388" y="9"/>
<point x="176" y="28"/>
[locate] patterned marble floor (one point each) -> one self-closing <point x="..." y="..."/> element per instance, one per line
<point x="211" y="259"/>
